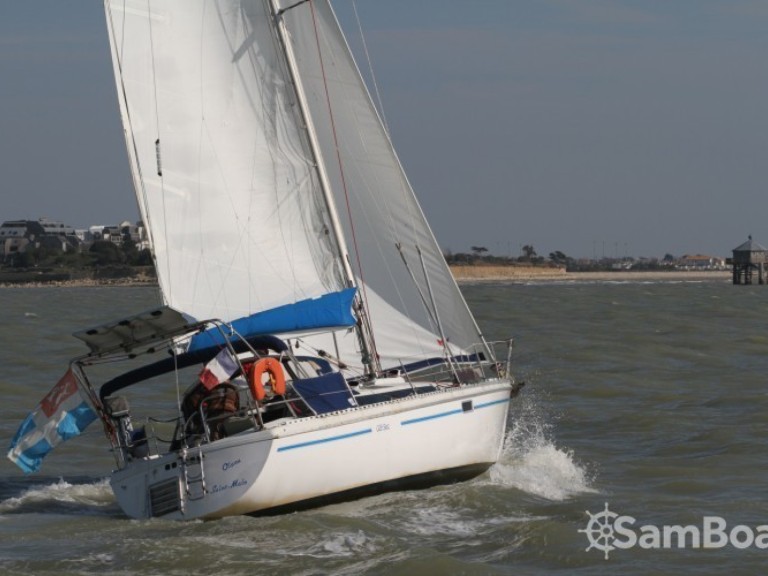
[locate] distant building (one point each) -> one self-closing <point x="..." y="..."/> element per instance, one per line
<point x="13" y="238"/>
<point x="55" y="228"/>
<point x="112" y="234"/>
<point x="701" y="262"/>
<point x="59" y="243"/>
<point x="136" y="232"/>
<point x="21" y="229"/>
<point x="747" y="258"/>
<point x="117" y="233"/>
<point x="17" y="236"/>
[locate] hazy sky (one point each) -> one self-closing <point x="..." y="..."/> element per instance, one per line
<point x="593" y="127"/>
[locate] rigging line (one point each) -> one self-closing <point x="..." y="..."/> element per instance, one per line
<point x="343" y="179"/>
<point x="291" y="7"/>
<point x="332" y="359"/>
<point x="430" y="313"/>
<point x="136" y="174"/>
<point x="446" y="347"/>
<point x="370" y="68"/>
<point x="122" y="37"/>
<point x="336" y="141"/>
<point x="178" y="387"/>
<point x="157" y="144"/>
<point x="196" y="271"/>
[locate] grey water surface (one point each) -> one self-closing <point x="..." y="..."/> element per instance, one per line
<point x="648" y="398"/>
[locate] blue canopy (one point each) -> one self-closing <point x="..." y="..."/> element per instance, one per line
<point x="332" y="310"/>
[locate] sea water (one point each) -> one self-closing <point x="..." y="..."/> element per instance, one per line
<point x="644" y="407"/>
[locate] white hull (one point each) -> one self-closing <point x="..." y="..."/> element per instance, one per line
<point x="426" y="439"/>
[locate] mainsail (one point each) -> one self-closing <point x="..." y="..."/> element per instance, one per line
<point x="224" y="176"/>
<point x="227" y="178"/>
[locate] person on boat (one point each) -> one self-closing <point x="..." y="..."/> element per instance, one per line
<point x="216" y="406"/>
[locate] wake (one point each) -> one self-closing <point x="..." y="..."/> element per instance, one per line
<point x="62" y="497"/>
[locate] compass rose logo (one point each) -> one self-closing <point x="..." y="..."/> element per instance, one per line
<point x="600" y="531"/>
<point x="607" y="531"/>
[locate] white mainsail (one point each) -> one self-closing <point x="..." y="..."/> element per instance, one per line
<point x="224" y="177"/>
<point x="228" y="184"/>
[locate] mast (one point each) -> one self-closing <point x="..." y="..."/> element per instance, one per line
<point x="364" y="332"/>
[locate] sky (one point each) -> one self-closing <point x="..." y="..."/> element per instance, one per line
<point x="591" y="127"/>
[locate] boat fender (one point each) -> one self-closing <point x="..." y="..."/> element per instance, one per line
<point x="271" y="367"/>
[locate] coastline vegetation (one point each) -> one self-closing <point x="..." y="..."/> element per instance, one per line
<point x="106" y="262"/>
<point x="103" y="261"/>
<point x="480" y="256"/>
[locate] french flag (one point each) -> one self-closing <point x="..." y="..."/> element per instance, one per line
<point x="61" y="415"/>
<point x="218" y="370"/>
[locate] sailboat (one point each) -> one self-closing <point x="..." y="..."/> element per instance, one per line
<point x="313" y="343"/>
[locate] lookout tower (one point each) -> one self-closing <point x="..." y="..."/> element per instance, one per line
<point x="747" y="258"/>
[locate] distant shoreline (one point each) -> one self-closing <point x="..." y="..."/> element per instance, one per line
<point x="624" y="276"/>
<point x="84" y="283"/>
<point x="463" y="274"/>
<point x="541" y="274"/>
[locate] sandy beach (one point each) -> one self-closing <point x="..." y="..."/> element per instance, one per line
<point x="542" y="274"/>
<point x="466" y="274"/>
<point x="641" y="276"/>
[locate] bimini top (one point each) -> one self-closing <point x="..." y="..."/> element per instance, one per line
<point x="136" y="331"/>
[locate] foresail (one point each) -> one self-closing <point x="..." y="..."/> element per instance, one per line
<point x="223" y="172"/>
<point x="385" y="228"/>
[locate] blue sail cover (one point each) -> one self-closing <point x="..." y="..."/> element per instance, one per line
<point x="332" y="310"/>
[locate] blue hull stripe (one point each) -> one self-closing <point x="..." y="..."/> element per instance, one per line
<point x="452" y="412"/>
<point x="431" y="417"/>
<point x="403" y="423"/>
<point x="324" y="440"/>
<point x="486" y="404"/>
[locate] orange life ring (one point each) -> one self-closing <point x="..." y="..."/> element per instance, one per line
<point x="274" y="369"/>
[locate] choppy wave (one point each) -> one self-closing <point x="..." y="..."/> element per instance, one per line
<point x="63" y="497"/>
<point x="649" y="397"/>
<point x="341" y="544"/>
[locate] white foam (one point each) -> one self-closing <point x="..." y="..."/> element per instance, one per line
<point x="451" y="520"/>
<point x="96" y="494"/>
<point x="545" y="471"/>
<point x="533" y="463"/>
<point x="442" y="520"/>
<point x="342" y="544"/>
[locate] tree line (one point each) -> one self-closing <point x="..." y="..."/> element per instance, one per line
<point x="100" y="253"/>
<point x="529" y="256"/>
